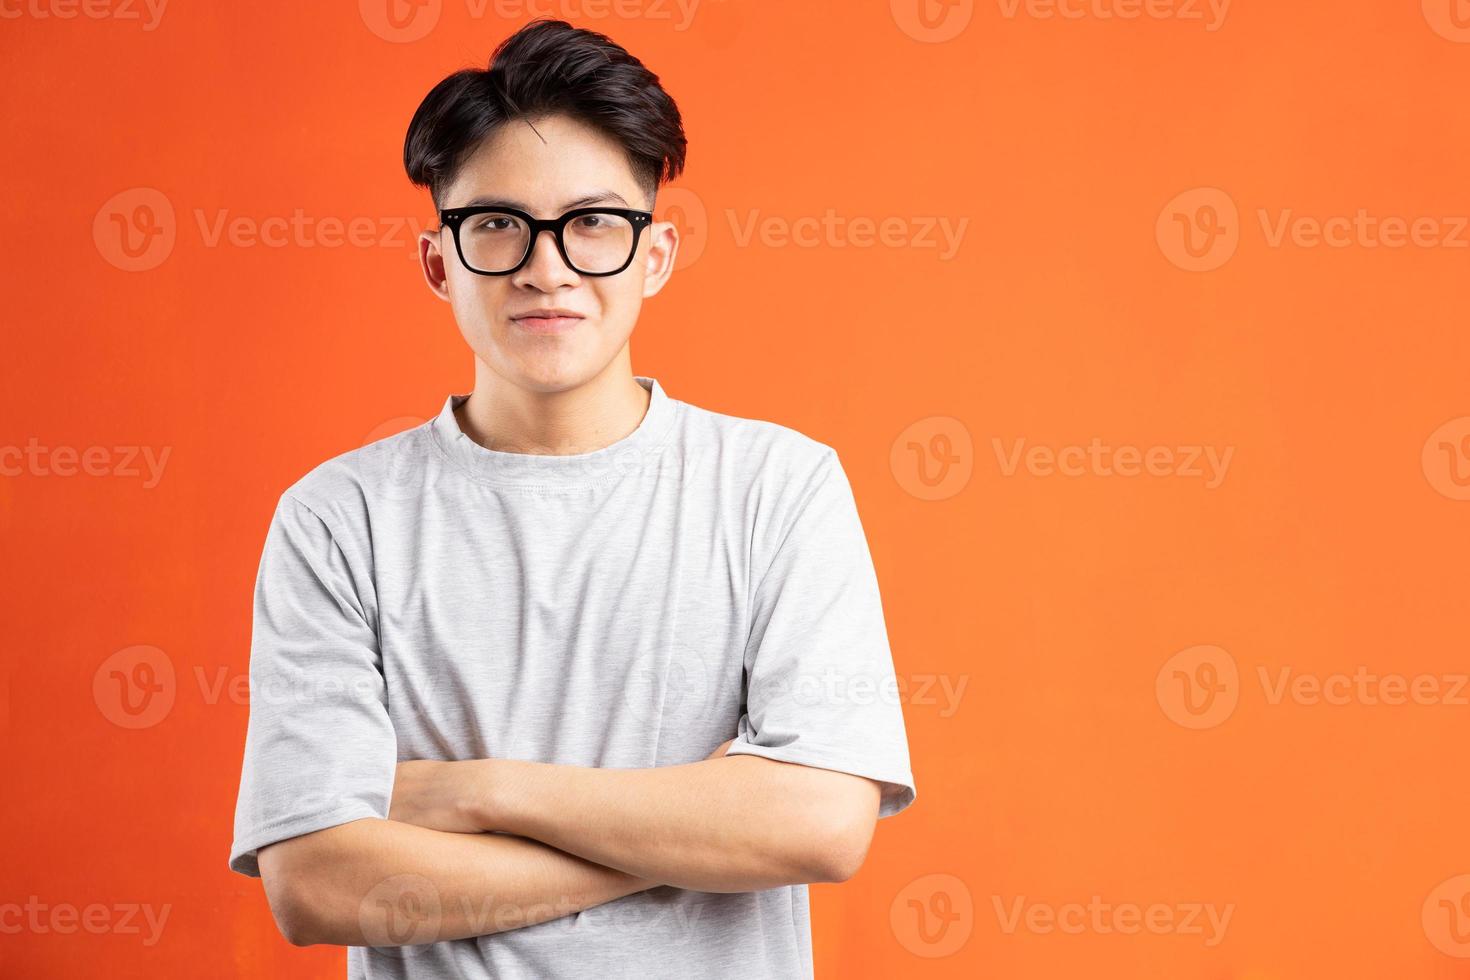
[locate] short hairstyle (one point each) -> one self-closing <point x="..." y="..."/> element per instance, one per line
<point x="546" y="67"/>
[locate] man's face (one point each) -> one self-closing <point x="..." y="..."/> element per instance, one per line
<point x="545" y="171"/>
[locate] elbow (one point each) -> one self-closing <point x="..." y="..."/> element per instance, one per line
<point x="835" y="815"/>
<point x="821" y="821"/>
<point x="836" y="862"/>
<point x="295" y="921"/>
<point x="291" y="908"/>
<point x="292" y="918"/>
<point x="294" y="935"/>
<point x="296" y="928"/>
<point x="840" y="847"/>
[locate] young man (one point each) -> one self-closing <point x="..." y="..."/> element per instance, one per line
<point x="574" y="679"/>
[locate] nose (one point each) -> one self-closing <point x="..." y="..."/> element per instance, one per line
<point x="545" y="270"/>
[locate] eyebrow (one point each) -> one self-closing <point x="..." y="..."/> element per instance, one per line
<point x="596" y="197"/>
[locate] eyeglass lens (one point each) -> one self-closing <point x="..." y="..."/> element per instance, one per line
<point x="496" y="242"/>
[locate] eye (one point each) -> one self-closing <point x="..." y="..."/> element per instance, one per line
<point x="591" y="221"/>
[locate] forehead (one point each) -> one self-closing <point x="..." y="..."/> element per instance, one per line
<point x="545" y="166"/>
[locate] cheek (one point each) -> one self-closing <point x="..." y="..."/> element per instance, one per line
<point x="619" y="303"/>
<point x="476" y="301"/>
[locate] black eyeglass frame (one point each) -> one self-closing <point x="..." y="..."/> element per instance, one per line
<point x="452" y="218"/>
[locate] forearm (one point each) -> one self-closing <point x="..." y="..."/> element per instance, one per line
<point x="737" y="823"/>
<point x="385" y="883"/>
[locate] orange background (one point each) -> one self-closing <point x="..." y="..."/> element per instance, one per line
<point x="1336" y="540"/>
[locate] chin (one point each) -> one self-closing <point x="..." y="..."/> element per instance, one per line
<point x="547" y="374"/>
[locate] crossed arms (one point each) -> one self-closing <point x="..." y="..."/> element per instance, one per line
<point x="505" y="843"/>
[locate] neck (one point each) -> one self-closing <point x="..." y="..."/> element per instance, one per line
<point x="501" y="416"/>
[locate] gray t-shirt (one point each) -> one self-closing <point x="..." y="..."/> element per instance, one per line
<point x="703" y="578"/>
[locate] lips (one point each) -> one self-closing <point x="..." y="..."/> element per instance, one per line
<point x="547" y="321"/>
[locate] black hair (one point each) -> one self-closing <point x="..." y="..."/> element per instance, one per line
<point x="546" y="67"/>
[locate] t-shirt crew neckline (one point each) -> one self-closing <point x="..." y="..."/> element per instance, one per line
<point x="638" y="450"/>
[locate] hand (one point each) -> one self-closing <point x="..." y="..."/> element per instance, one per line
<point x="724" y="747"/>
<point x="445" y="796"/>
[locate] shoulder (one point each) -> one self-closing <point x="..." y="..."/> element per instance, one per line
<point x="344" y="490"/>
<point x="773" y="468"/>
<point x="761" y="446"/>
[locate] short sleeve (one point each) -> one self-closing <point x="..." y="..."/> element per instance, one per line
<point x="820" y="684"/>
<point x="319" y="749"/>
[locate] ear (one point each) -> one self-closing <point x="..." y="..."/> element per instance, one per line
<point x="658" y="262"/>
<point x="431" y="260"/>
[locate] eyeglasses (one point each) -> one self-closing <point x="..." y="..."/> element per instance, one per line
<point x="497" y="241"/>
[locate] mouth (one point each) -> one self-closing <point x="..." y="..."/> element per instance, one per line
<point x="547" y="321"/>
